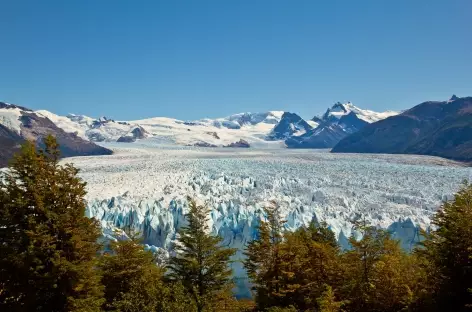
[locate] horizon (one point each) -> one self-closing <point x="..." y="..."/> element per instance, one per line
<point x="210" y="59"/>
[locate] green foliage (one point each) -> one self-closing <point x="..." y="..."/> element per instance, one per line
<point x="291" y="269"/>
<point x="378" y="274"/>
<point x="310" y="259"/>
<point x="50" y="259"/>
<point x="132" y="280"/>
<point x="281" y="309"/>
<point x="264" y="260"/>
<point x="47" y="246"/>
<point x="447" y="255"/>
<point x="200" y="263"/>
<point x="327" y="302"/>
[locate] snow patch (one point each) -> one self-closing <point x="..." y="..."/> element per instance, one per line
<point x="10" y="118"/>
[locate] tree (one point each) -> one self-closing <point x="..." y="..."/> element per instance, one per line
<point x="200" y="263"/>
<point x="447" y="255"/>
<point x="379" y="275"/>
<point x="263" y="259"/>
<point x="327" y="302"/>
<point x="48" y="247"/>
<point x="132" y="280"/>
<point x="310" y="262"/>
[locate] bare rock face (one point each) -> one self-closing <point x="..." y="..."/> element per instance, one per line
<point x="10" y="142"/>
<point x="240" y="143"/>
<point x="438" y="128"/>
<point x="214" y="134"/>
<point x="35" y="128"/>
<point x="137" y="133"/>
<point x="203" y="144"/>
<point x="289" y="125"/>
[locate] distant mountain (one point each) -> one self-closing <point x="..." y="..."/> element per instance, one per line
<point x="440" y="128"/>
<point x="273" y="128"/>
<point x="267" y="129"/>
<point x="102" y="129"/>
<point x="137" y="133"/>
<point x="250" y="127"/>
<point x="324" y="136"/>
<point x="18" y="124"/>
<point x="237" y="121"/>
<point x="340" y="110"/>
<point x="289" y="125"/>
<point x="336" y="123"/>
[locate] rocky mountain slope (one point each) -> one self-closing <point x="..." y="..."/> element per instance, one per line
<point x="337" y="122"/>
<point x="289" y="125"/>
<point x="439" y="128"/>
<point x="18" y="124"/>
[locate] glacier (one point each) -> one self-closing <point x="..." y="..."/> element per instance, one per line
<point x="145" y="186"/>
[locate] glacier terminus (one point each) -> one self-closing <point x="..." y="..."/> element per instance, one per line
<point x="144" y="186"/>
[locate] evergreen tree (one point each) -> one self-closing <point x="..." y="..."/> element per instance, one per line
<point x="132" y="280"/>
<point x="200" y="263"/>
<point x="310" y="261"/>
<point x="281" y="309"/>
<point x="327" y="302"/>
<point x="263" y="259"/>
<point x="48" y="247"/>
<point x="376" y="272"/>
<point x="447" y="255"/>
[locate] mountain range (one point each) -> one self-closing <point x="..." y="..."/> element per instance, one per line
<point x="439" y="128"/>
<point x="435" y="128"/>
<point x="18" y="124"/>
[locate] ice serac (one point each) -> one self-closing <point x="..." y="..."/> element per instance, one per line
<point x="146" y="190"/>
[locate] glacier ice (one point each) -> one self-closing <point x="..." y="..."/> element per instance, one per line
<point x="145" y="188"/>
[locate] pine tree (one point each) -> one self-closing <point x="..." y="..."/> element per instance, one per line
<point x="447" y="255"/>
<point x="200" y="263"/>
<point x="263" y="259"/>
<point x="132" y="280"/>
<point x="48" y="247"/>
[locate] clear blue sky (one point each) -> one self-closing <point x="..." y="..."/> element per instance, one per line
<point x="199" y="58"/>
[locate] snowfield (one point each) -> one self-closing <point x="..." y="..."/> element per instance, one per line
<point x="145" y="186"/>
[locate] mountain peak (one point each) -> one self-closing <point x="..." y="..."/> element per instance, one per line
<point x="290" y="124"/>
<point x="343" y="106"/>
<point x="338" y="110"/>
<point x="453" y="98"/>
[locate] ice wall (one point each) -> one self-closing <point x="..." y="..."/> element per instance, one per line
<point x="146" y="190"/>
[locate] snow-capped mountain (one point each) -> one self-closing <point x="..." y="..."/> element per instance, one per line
<point x="340" y="110"/>
<point x="96" y="130"/>
<point x="336" y="123"/>
<point x="249" y="127"/>
<point x="442" y="128"/>
<point x="269" y="129"/>
<point x="289" y="125"/>
<point x="237" y="121"/>
<point x="18" y="124"/>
